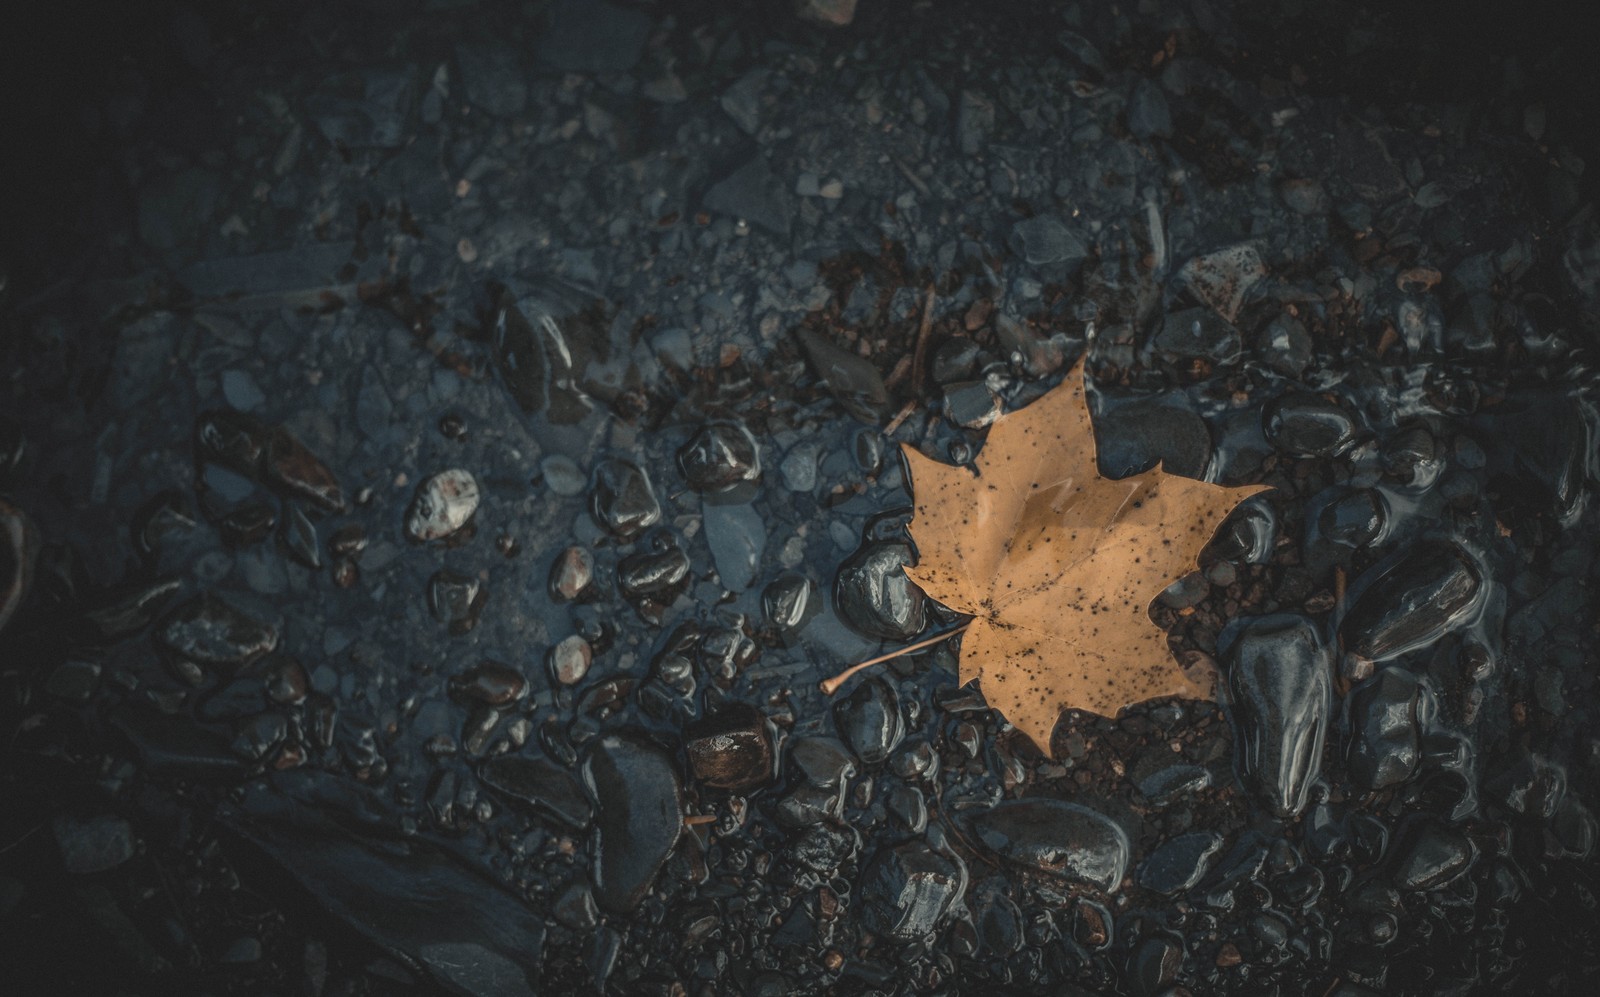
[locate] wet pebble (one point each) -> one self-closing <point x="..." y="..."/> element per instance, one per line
<point x="1280" y="695"/>
<point x="720" y="456"/>
<point x="1173" y="781"/>
<point x="655" y="573"/>
<point x="732" y="749"/>
<point x="490" y="684"/>
<point x="1356" y="518"/>
<point x="622" y="499"/>
<point x="906" y="891"/>
<point x="1285" y="346"/>
<point x="442" y="506"/>
<point x="210" y="631"/>
<point x="255" y="737"/>
<point x="1177" y="865"/>
<point x="571" y="574"/>
<point x="299" y="536"/>
<point x="73" y="681"/>
<point x="293" y="468"/>
<point x="799" y="467"/>
<point x="569" y="659"/>
<point x="825" y="846"/>
<point x="456" y="600"/>
<point x="1433" y="587"/>
<point x="1430" y="854"/>
<point x="788" y="602"/>
<point x="639" y="819"/>
<point x="563" y="476"/>
<point x="1249" y="534"/>
<point x="286" y="681"/>
<point x="231" y="439"/>
<point x="1305" y="425"/>
<point x="1154" y="963"/>
<point x="1527" y="783"/>
<point x="824" y="762"/>
<point x="576" y="908"/>
<point x="870" y="721"/>
<point x="1384" y="744"/>
<point x="248" y="524"/>
<point x="875" y="596"/>
<point x="1059" y="838"/>
<point x="1137" y="435"/>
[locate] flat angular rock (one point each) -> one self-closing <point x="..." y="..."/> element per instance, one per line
<point x="907" y="890"/>
<point x="209" y="631"/>
<point x="93" y="844"/>
<point x="392" y="890"/>
<point x="592" y="36"/>
<point x="541" y="787"/>
<point x="737" y="535"/>
<point x="639" y="820"/>
<point x="494" y="80"/>
<point x="1044" y="239"/>
<point x="753" y="193"/>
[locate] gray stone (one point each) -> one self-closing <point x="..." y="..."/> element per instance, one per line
<point x="93" y="844"/>
<point x="1045" y="239"/>
<point x="737" y="536"/>
<point x="754" y="194"/>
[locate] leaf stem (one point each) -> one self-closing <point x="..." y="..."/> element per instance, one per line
<point x="831" y="686"/>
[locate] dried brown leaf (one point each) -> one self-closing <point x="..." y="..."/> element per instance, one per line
<point x="1058" y="565"/>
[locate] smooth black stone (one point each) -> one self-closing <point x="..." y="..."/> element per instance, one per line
<point x="1280" y="696"/>
<point x="870" y="721"/>
<point x="1059" y="838"/>
<point x="1433" y="587"/>
<point x="875" y="596"/>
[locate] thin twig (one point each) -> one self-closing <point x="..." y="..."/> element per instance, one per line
<point x="831" y="686"/>
<point x="916" y="181"/>
<point x="900" y="417"/>
<point x="922" y="341"/>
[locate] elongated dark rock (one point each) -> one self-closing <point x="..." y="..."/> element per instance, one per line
<point x="1433" y="587"/>
<point x="1280" y="692"/>
<point x="1056" y="837"/>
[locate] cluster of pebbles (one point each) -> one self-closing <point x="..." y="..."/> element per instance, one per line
<point x="427" y="525"/>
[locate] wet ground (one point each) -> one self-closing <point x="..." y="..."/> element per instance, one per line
<point x="444" y="445"/>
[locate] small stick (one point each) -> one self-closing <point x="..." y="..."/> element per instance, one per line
<point x="900" y="417"/>
<point x="916" y="181"/>
<point x="831" y="686"/>
<point x="922" y="341"/>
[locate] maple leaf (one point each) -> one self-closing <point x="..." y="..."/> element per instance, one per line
<point x="1058" y="565"/>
